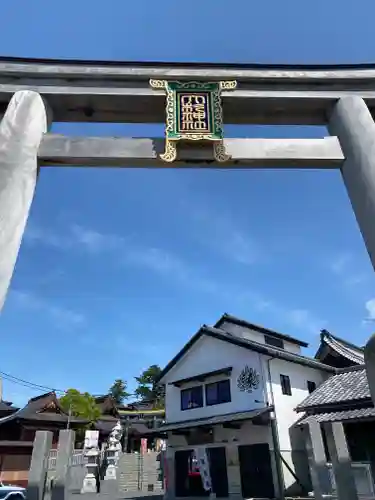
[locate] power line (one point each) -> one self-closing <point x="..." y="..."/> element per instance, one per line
<point x="28" y="384"/>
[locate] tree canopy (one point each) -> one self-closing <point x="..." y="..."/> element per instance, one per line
<point x="148" y="388"/>
<point x="81" y="405"/>
<point x="118" y="391"/>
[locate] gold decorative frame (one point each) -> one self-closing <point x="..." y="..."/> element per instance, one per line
<point x="172" y="135"/>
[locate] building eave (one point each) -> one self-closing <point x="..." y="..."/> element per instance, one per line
<point x="258" y="328"/>
<point x="216" y="419"/>
<point x="340" y="346"/>
<point x="357" y="414"/>
<point x="251" y="345"/>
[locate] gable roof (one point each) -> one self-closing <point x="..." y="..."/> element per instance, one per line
<point x="346" y="349"/>
<point x="251" y="345"/>
<point x="261" y="329"/>
<point x="45" y="407"/>
<point x="107" y="405"/>
<point x="6" y="407"/>
<point x="349" y="385"/>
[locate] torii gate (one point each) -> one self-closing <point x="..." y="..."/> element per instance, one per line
<point x="33" y="93"/>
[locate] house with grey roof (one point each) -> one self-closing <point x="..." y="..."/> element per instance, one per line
<point x="343" y="400"/>
<point x="231" y="393"/>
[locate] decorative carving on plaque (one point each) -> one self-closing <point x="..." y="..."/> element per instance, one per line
<point x="248" y="380"/>
<point x="193" y="113"/>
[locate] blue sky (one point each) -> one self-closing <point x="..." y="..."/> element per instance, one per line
<point x="119" y="268"/>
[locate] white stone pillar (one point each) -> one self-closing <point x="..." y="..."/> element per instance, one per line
<point x="92" y="466"/>
<point x="352" y="123"/>
<point x="21" y="131"/>
<point x="36" y="484"/>
<point x="65" y="450"/>
<point x="316" y="456"/>
<point x="91" y="454"/>
<point x="113" y="452"/>
<point x="341" y="462"/>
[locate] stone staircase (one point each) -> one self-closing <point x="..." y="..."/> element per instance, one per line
<point x="138" y="472"/>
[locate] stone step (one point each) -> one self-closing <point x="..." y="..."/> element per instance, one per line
<point x="139" y="473"/>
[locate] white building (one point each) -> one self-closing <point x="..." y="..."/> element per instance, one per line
<point x="233" y="389"/>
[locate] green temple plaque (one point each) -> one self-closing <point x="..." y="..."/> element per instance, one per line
<point x="193" y="113"/>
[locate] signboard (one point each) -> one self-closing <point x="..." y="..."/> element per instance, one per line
<point x="143" y="446"/>
<point x="204" y="468"/>
<point x="91" y="439"/>
<point x="193" y="113"/>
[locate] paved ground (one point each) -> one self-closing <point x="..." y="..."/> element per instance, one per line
<point x="139" y="495"/>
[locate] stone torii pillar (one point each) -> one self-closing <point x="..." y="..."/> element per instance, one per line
<point x="21" y="130"/>
<point x="352" y="123"/>
<point x="370" y="365"/>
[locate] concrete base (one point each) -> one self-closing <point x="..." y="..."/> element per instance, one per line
<point x="110" y="473"/>
<point x="89" y="484"/>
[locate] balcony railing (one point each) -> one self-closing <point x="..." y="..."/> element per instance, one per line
<point x="362" y="477"/>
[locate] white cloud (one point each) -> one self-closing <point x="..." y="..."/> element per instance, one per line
<point x="37" y="235"/>
<point x="340" y="263"/>
<point x="303" y="318"/>
<point x="221" y="233"/>
<point x="64" y="317"/>
<point x="343" y="266"/>
<point x="171" y="266"/>
<point x="94" y="241"/>
<point x="125" y="252"/>
<point x="74" y="236"/>
<point x="370" y="308"/>
<point x="240" y="247"/>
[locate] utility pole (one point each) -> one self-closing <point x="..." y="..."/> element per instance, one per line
<point x="69" y="416"/>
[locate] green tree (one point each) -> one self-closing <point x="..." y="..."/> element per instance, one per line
<point x="118" y="391"/>
<point x="148" y="388"/>
<point x="81" y="405"/>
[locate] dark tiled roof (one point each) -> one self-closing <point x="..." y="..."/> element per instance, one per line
<point x="7" y="407"/>
<point x="138" y="405"/>
<point x="218" y="419"/>
<point x="105" y="425"/>
<point x="349" y="384"/>
<point x="247" y="344"/>
<point x="342" y="347"/>
<point x="139" y="428"/>
<point x="337" y="416"/>
<point x="258" y="328"/>
<point x="107" y="405"/>
<point x="37" y="409"/>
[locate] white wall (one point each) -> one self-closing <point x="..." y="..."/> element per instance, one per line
<point x="285" y="405"/>
<point x="248" y="333"/>
<point x="209" y="354"/>
<point x="285" y="414"/>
